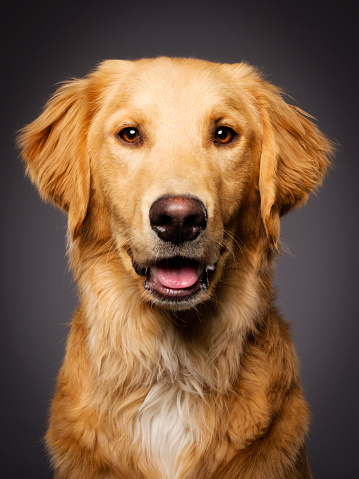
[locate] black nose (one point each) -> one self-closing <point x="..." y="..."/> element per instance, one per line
<point x="178" y="218"/>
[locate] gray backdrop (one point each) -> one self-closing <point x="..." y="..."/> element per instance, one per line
<point x="311" y="51"/>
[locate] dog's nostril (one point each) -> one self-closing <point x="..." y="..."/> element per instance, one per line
<point x="178" y="218"/>
<point x="164" y="220"/>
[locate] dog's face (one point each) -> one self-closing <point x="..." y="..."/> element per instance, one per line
<point x="174" y="152"/>
<point x="162" y="156"/>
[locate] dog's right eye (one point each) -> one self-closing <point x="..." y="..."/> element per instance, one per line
<point x="224" y="135"/>
<point x="129" y="134"/>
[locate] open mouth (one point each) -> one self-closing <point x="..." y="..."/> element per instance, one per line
<point x="176" y="279"/>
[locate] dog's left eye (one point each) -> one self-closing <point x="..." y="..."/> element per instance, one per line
<point x="129" y="135"/>
<point x="224" y="135"/>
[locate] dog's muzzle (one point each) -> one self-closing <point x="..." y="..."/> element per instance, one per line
<point x="177" y="221"/>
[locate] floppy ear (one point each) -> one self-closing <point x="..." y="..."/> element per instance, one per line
<point x="295" y="154"/>
<point x="295" y="157"/>
<point x="55" y="152"/>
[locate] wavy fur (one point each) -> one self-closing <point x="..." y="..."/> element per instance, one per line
<point x="211" y="389"/>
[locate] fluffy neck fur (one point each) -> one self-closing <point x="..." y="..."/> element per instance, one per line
<point x="163" y="368"/>
<point x="189" y="348"/>
<point x="164" y="396"/>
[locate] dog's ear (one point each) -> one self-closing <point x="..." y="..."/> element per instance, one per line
<point x="54" y="150"/>
<point x="295" y="154"/>
<point x="295" y="157"/>
<point x="54" y="147"/>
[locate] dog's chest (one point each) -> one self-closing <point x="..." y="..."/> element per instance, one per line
<point x="167" y="427"/>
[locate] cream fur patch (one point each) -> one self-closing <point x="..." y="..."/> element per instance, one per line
<point x="166" y="424"/>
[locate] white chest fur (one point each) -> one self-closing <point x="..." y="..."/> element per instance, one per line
<point x="167" y="425"/>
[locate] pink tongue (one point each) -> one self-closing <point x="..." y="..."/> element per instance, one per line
<point x="177" y="278"/>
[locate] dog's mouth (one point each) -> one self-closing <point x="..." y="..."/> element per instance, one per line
<point x="175" y="279"/>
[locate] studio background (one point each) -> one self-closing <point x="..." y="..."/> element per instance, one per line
<point x="312" y="52"/>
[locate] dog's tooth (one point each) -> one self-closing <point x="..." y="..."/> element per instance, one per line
<point x="154" y="271"/>
<point x="200" y="271"/>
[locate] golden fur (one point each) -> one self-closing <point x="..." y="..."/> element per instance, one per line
<point x="197" y="389"/>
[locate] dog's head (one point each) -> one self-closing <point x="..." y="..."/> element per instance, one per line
<point x="176" y="163"/>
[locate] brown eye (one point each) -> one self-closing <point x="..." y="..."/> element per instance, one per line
<point x="224" y="135"/>
<point x="129" y="134"/>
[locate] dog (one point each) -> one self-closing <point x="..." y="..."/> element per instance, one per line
<point x="174" y="174"/>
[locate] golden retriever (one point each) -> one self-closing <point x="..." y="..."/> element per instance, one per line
<point x="174" y="174"/>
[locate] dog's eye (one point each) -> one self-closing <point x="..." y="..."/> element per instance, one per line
<point x="129" y="134"/>
<point x="224" y="135"/>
